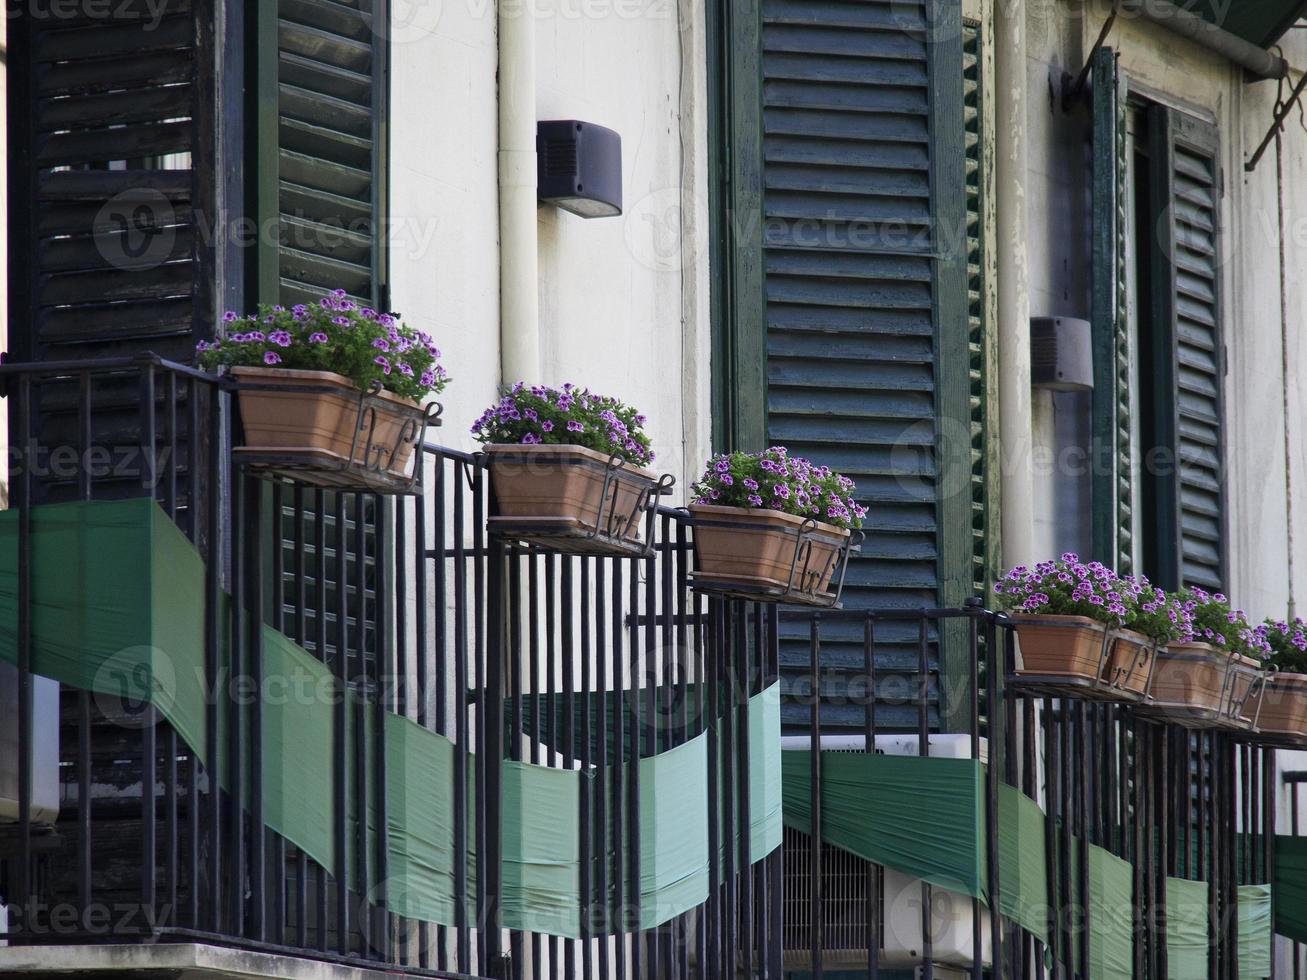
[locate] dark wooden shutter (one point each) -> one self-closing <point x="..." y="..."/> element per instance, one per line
<point x="110" y="132"/>
<point x="1188" y="354"/>
<point x="1113" y="469"/>
<point x="322" y="172"/>
<point x="865" y="272"/>
<point x="322" y="177"/>
<point x="981" y="348"/>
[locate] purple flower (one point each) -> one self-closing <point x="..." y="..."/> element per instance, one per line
<point x="281" y="338"/>
<point x="754" y="500"/>
<point x="385" y="364"/>
<point x="531" y="439"/>
<point x="381" y="344"/>
<point x="271" y="357"/>
<point x="575" y="427"/>
<point x="405" y="370"/>
<point x="428" y="380"/>
<point x="230" y="317"/>
<point x="318" y="337"/>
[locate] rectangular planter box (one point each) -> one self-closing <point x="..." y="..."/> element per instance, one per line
<point x="571" y="497"/>
<point x="1067" y="651"/>
<point x="1191" y="680"/>
<point x="320" y="415"/>
<point x="1281" y="707"/>
<point x="756" y="548"/>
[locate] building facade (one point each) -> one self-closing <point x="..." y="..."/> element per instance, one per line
<point x="839" y="220"/>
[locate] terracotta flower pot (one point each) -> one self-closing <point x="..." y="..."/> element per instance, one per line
<point x="564" y="486"/>
<point x="1062" y="646"/>
<point x="1281" y="706"/>
<point x="757" y="547"/>
<point x="318" y="412"/>
<point x="1191" y="678"/>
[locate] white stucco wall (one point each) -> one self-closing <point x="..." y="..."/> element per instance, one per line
<point x="623" y="301"/>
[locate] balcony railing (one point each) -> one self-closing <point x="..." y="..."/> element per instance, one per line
<point x="242" y="822"/>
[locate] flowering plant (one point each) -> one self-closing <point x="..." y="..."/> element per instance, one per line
<point x="1288" y="643"/>
<point x="337" y="335"/>
<point x="1216" y="623"/>
<point x="568" y="416"/>
<point x="1066" y="587"/>
<point x="778" y="481"/>
<point x="1156" y="613"/>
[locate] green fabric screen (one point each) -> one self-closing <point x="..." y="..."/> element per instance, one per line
<point x="673" y="832"/>
<point x="1291" y="888"/>
<point x="420" y="801"/>
<point x="542" y="849"/>
<point x="1255" y="933"/>
<point x="1111" y="909"/>
<point x="765" y="790"/>
<point x="1187" y="943"/>
<point x="117" y="605"/>
<point x="299" y="724"/>
<point x="921" y="816"/>
<point x="1022" y="862"/>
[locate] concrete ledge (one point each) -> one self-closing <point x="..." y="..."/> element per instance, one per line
<point x="174" y="961"/>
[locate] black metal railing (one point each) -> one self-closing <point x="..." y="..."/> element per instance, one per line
<point x="518" y="652"/>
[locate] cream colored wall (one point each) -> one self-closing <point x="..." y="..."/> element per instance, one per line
<point x="623" y="301"/>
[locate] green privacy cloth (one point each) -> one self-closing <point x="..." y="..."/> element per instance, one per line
<point x="1187" y="942"/>
<point x="420" y="800"/>
<point x="1111" y="926"/>
<point x="117" y="605"/>
<point x="542" y="849"/>
<point x="922" y="816"/>
<point x="299" y="725"/>
<point x="1255" y="933"/>
<point x="1291" y="888"/>
<point x="1022" y="867"/>
<point x="673" y="832"/>
<point x="765" y="810"/>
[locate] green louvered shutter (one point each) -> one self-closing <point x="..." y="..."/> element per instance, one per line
<point x="865" y="274"/>
<point x="1113" y="483"/>
<point x="1187" y="349"/>
<point x="981" y="349"/>
<point x="321" y="154"/>
<point x="322" y="178"/>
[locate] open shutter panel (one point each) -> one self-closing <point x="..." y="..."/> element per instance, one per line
<point x="106" y="116"/>
<point x="981" y="348"/>
<point x="863" y="162"/>
<point x="329" y="187"/>
<point x="1113" y="482"/>
<point x="326" y="185"/>
<point x="1186" y="196"/>
<point x="110" y="188"/>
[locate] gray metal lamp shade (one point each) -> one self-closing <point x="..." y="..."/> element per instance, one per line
<point x="1061" y="354"/>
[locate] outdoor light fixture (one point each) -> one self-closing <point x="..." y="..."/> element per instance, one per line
<point x="579" y="167"/>
<point x="1061" y="354"/>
